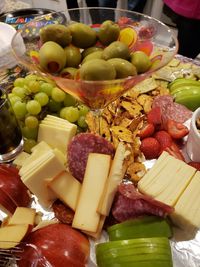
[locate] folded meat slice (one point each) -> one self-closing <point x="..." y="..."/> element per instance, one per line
<point x="129" y="204"/>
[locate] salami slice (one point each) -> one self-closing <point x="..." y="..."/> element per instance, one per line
<point x="63" y="213"/>
<point x="129" y="204"/>
<point x="171" y="110"/>
<point x="79" y="148"/>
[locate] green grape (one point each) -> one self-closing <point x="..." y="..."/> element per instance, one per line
<point x="19" y="82"/>
<point x="31" y="77"/>
<point x="10" y="95"/>
<point x="19" y="91"/>
<point x="83" y="110"/>
<point x="46" y="88"/>
<point x="69" y="100"/>
<point x="30" y="133"/>
<point x="31" y="122"/>
<point x="57" y="94"/>
<point x="14" y="99"/>
<point x="42" y="98"/>
<point x="19" y="109"/>
<point x="33" y="107"/>
<point x="29" y="144"/>
<point x="54" y="106"/>
<point x="69" y="113"/>
<point x="34" y="86"/>
<point x="81" y="122"/>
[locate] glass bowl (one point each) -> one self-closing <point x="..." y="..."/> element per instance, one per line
<point x="138" y="31"/>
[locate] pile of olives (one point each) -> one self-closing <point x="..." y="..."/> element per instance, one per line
<point x="78" y="51"/>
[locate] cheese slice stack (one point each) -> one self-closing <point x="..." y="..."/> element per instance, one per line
<point x="56" y="132"/>
<point x="167" y="180"/>
<point x="187" y="210"/>
<point x="46" y="167"/>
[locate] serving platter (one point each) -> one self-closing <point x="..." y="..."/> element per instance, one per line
<point x="185" y="253"/>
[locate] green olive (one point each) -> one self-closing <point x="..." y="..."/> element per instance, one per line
<point x="82" y="35"/>
<point x="90" y="50"/>
<point x="73" y="56"/>
<point x="57" y="33"/>
<point x="141" y="61"/>
<point x="108" y="32"/>
<point x="97" y="70"/>
<point x="97" y="54"/>
<point x="69" y="73"/>
<point x="123" y="67"/>
<point x="52" y="57"/>
<point x="116" y="49"/>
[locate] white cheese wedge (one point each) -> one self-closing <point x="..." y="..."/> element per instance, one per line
<point x="187" y="211"/>
<point x="35" y="180"/>
<point x="23" y="215"/>
<point x="167" y="179"/>
<point x="86" y="216"/>
<point x="39" y="150"/>
<point x="41" y="146"/>
<point x="20" y="159"/>
<point x="114" y="179"/>
<point x="149" y="177"/>
<point x="55" y="136"/>
<point x="57" y="119"/>
<point x="66" y="188"/>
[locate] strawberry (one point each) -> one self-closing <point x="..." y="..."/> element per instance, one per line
<point x="154" y="116"/>
<point x="150" y="147"/>
<point x="164" y="139"/>
<point x="146" y="131"/>
<point x="177" y="130"/>
<point x="195" y="164"/>
<point x="174" y="151"/>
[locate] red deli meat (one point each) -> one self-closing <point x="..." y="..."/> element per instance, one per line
<point x="129" y="204"/>
<point x="79" y="149"/>
<point x="171" y="110"/>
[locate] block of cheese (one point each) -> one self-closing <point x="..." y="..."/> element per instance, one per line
<point x="97" y="234"/>
<point x="46" y="169"/>
<point x="115" y="177"/>
<point x="55" y="136"/>
<point x="66" y="188"/>
<point x="86" y="216"/>
<point x="41" y="146"/>
<point x="167" y="181"/>
<point x="187" y="211"/>
<point x="23" y="215"/>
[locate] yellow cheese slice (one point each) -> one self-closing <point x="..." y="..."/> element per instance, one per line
<point x="66" y="188"/>
<point x="55" y="136"/>
<point x="36" y="179"/>
<point x="115" y="177"/>
<point x="187" y="211"/>
<point x="149" y="177"/>
<point x="177" y="185"/>
<point x="19" y="160"/>
<point x="41" y="146"/>
<point x="59" y="120"/>
<point x="22" y="215"/>
<point x="86" y="216"/>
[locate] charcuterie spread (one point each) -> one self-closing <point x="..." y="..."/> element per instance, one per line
<point x="82" y="192"/>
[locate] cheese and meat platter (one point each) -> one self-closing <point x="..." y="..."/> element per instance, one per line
<point x="118" y="189"/>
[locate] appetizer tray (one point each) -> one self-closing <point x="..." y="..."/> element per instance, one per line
<point x="186" y="253"/>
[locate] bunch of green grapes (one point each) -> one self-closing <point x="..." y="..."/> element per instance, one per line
<point x="32" y="98"/>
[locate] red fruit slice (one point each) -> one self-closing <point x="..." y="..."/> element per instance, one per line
<point x="146" y="131"/>
<point x="164" y="139"/>
<point x="154" y="116"/>
<point x="194" y="164"/>
<point x="177" y="130"/>
<point x="174" y="151"/>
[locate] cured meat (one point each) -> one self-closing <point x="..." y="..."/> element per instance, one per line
<point x="63" y="213"/>
<point x="79" y="148"/>
<point x="130" y="203"/>
<point x="171" y="110"/>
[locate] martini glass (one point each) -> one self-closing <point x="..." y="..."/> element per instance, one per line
<point x="138" y="31"/>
